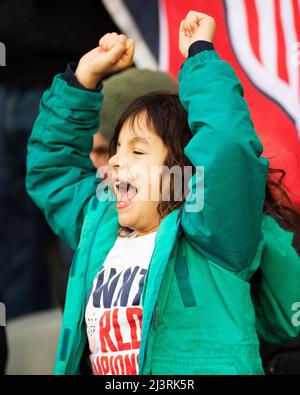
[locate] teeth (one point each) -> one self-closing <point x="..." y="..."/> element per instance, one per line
<point x="124" y="185"/>
<point x="126" y="189"/>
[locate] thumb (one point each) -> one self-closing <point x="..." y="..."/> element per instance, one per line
<point x="116" y="52"/>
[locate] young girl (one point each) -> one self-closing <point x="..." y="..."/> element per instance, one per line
<point x="156" y="287"/>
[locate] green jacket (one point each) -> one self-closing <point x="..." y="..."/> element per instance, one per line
<point x="198" y="316"/>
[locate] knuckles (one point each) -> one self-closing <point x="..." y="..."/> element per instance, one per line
<point x="192" y="14"/>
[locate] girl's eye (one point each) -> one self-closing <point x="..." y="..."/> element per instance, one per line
<point x="138" y="152"/>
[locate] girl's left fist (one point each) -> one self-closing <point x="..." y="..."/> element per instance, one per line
<point x="196" y="26"/>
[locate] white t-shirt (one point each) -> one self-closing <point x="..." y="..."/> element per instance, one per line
<point x="114" y="311"/>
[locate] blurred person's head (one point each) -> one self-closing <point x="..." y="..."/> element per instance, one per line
<point x="100" y="152"/>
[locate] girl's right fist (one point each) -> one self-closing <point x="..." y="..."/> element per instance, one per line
<point x="114" y="53"/>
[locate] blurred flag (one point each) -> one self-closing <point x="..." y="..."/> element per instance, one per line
<point x="259" y="38"/>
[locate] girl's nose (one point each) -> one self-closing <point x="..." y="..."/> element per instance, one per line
<point x="118" y="161"/>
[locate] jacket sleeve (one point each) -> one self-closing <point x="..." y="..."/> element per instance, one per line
<point x="60" y="176"/>
<point x="276" y="293"/>
<point x="223" y="223"/>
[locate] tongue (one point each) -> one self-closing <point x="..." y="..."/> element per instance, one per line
<point x="128" y="195"/>
<point x="124" y="197"/>
<point x="131" y="193"/>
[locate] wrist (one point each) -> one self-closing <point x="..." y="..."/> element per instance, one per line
<point x="199" y="46"/>
<point x="87" y="79"/>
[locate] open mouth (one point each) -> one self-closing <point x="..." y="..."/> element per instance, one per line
<point x="125" y="192"/>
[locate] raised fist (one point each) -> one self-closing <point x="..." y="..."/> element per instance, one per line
<point x="114" y="53"/>
<point x="196" y="26"/>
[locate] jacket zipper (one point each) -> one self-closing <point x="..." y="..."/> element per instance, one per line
<point x="79" y="333"/>
<point x="154" y="319"/>
<point x="143" y="298"/>
<point x="83" y="302"/>
<point x="152" y="325"/>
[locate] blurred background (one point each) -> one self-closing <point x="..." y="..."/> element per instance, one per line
<point x="259" y="38"/>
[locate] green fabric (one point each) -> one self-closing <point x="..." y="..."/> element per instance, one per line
<point x="123" y="88"/>
<point x="215" y="336"/>
<point x="227" y="230"/>
<point x="182" y="276"/>
<point x="278" y="288"/>
<point x="223" y="245"/>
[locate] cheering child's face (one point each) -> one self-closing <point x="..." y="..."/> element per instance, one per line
<point x="136" y="175"/>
